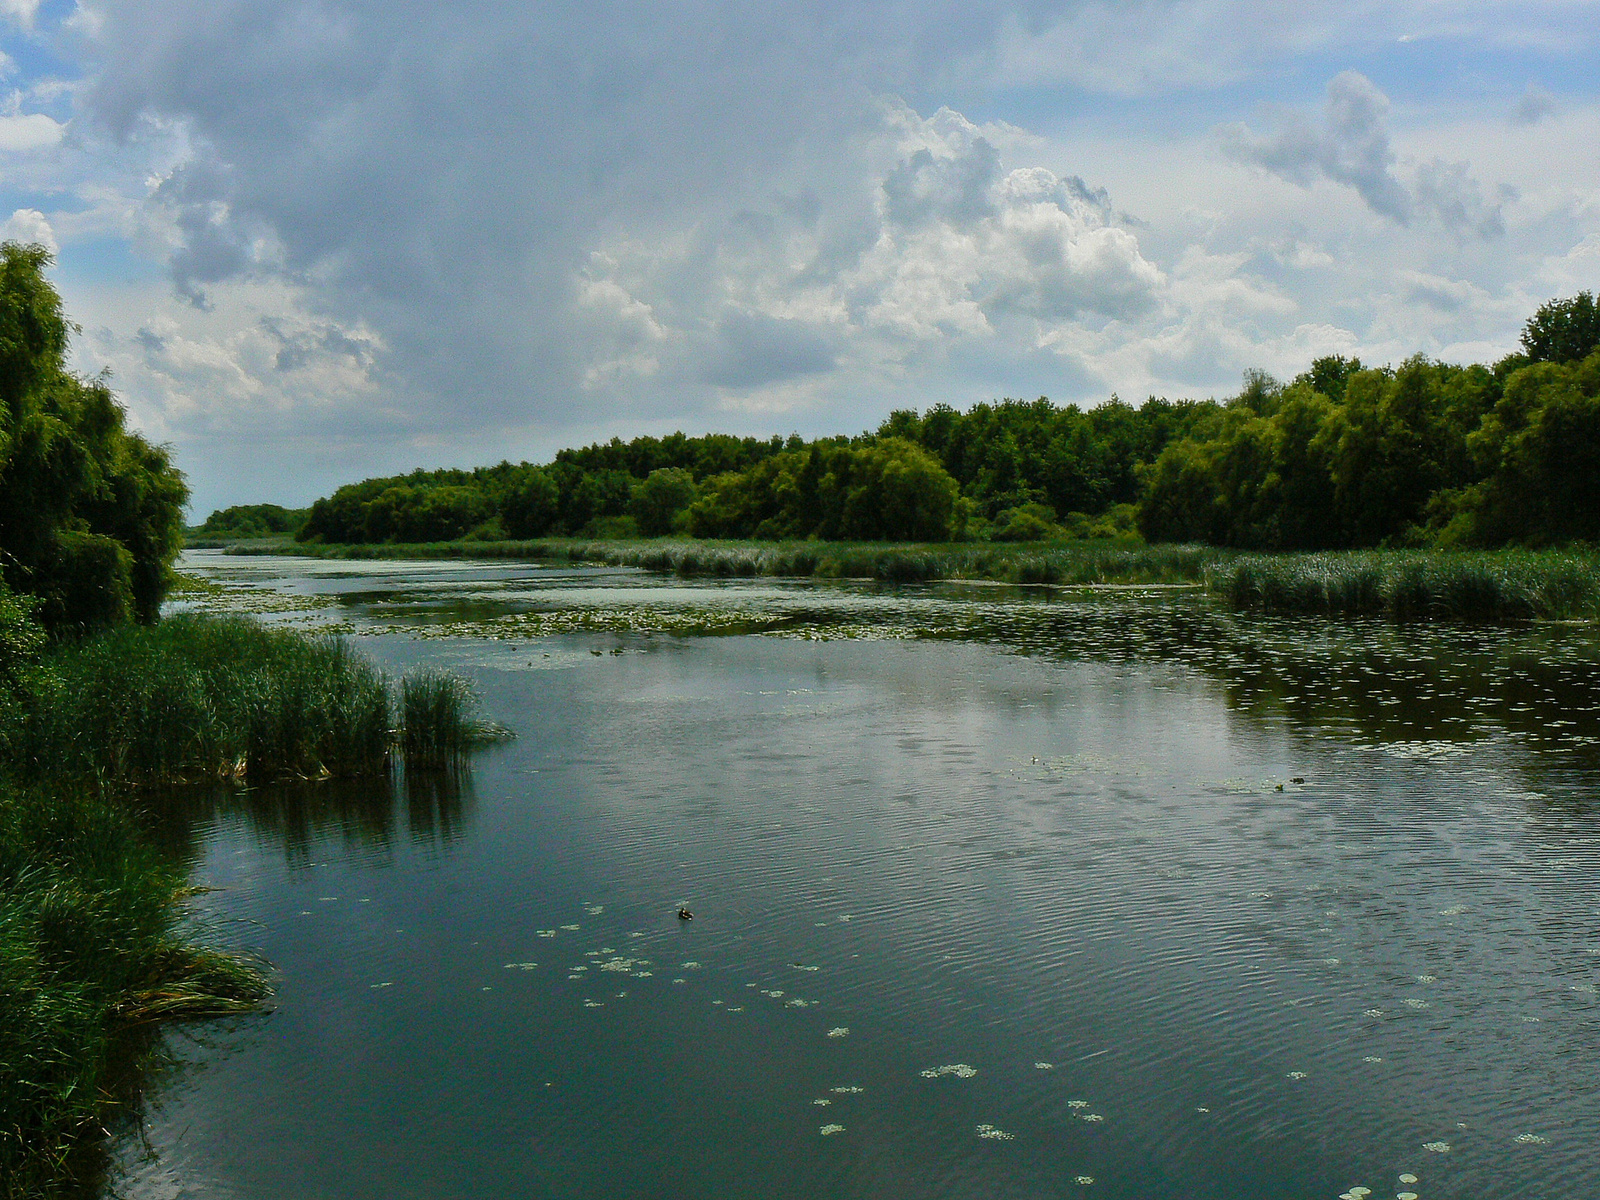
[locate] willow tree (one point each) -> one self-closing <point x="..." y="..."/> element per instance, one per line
<point x="91" y="514"/>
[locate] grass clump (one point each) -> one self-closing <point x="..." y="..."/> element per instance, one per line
<point x="93" y="944"/>
<point x="1494" y="585"/>
<point x="437" y="726"/>
<point x="95" y="940"/>
<point x="202" y="697"/>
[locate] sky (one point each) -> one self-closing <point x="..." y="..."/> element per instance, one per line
<point x="317" y="242"/>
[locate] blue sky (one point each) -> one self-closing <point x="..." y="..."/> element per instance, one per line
<point x="319" y="241"/>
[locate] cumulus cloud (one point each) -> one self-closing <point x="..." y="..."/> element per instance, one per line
<point x="431" y="232"/>
<point x="21" y="132"/>
<point x="29" y="225"/>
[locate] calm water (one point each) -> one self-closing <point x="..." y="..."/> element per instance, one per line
<point x="997" y="894"/>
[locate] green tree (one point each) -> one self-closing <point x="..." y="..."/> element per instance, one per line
<point x="1563" y="331"/>
<point x="91" y="514"/>
<point x="531" y="504"/>
<point x="661" y="498"/>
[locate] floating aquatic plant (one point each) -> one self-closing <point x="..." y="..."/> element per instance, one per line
<point x="959" y="1070"/>
<point x="1408" y="1177"/>
<point x="822" y="1102"/>
<point x="1437" y="1147"/>
<point x="522" y="966"/>
<point x="839" y="1031"/>
<point x="1044" y="1066"/>
<point x="1295" y="1075"/>
<point x="847" y="1091"/>
<point x="1373" y="1012"/>
<point x="830" y="1130"/>
<point x="1372" y="1058"/>
<point x="1093" y="1117"/>
<point x="1413" y="1002"/>
<point x="1077" y="1104"/>
<point x="1085" y="1180"/>
<point x="995" y="1134"/>
<point x="1532" y="1139"/>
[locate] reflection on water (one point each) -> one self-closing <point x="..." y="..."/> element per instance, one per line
<point x="363" y="816"/>
<point x="995" y="893"/>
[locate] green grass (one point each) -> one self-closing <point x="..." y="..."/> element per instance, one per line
<point x="1497" y="585"/>
<point x="95" y="942"/>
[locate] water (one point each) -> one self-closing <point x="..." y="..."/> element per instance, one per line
<point x="996" y="893"/>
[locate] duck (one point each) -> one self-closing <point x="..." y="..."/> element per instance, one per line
<point x="685" y="915"/>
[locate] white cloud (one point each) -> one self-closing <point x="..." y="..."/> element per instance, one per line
<point x="23" y="132"/>
<point x="396" y="231"/>
<point x="22" y="12"/>
<point x="29" y="225"/>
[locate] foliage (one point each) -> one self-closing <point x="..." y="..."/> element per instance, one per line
<point x="1563" y="331"/>
<point x="887" y="489"/>
<point x="253" y="521"/>
<point x="1538" y="458"/>
<point x="91" y="515"/>
<point x="663" y="497"/>
<point x="1290" y="467"/>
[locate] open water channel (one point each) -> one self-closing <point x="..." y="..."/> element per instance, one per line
<point x="997" y="893"/>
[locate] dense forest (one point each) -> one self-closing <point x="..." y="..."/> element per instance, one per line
<point x="1343" y="455"/>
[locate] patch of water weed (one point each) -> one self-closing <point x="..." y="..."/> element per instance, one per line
<point x="1092" y="561"/>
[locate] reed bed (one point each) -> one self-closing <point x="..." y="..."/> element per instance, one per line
<point x="1497" y="585"/>
<point x="95" y="941"/>
<point x="199" y="697"/>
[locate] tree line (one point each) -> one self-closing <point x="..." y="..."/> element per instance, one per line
<point x="1342" y="455"/>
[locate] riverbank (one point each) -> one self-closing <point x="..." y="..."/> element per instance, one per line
<point x="1493" y="585"/>
<point x="96" y="943"/>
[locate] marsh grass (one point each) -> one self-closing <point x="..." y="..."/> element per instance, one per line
<point x="437" y="724"/>
<point x="201" y="697"/>
<point x="95" y="940"/>
<point x="93" y="944"/>
<point x="1500" y="585"/>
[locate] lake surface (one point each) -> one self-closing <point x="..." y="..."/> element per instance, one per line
<point x="997" y="892"/>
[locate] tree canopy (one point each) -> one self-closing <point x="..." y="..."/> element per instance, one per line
<point x="91" y="514"/>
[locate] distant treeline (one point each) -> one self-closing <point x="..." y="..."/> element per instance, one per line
<point x="1342" y="455"/>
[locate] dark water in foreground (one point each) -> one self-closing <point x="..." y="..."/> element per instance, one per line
<point x="996" y="895"/>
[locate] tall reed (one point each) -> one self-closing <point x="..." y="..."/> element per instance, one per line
<point x="92" y="943"/>
<point x="94" y="940"/>
<point x="1411" y="584"/>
